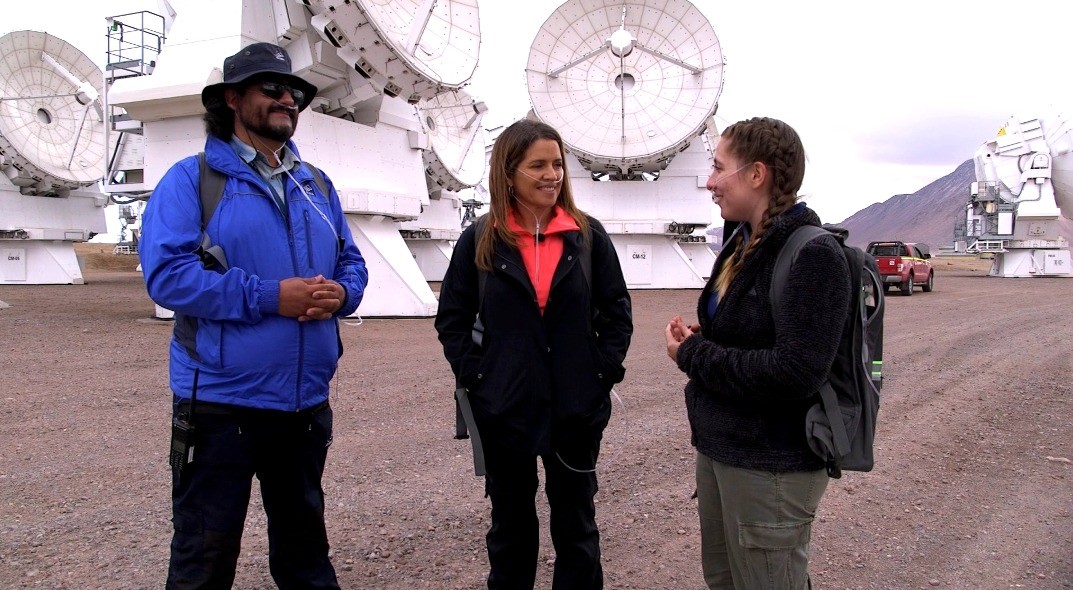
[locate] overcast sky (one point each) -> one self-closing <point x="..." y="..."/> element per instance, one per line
<point x="886" y="96"/>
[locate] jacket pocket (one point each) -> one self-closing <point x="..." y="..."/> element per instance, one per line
<point x="211" y="343"/>
<point x="506" y="378"/>
<point x="321" y="243"/>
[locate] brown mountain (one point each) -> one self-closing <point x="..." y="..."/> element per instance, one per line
<point x="927" y="215"/>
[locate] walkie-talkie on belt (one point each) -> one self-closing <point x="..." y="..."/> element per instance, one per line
<point x="182" y="433"/>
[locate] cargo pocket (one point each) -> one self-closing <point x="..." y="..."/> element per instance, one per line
<point x="775" y="555"/>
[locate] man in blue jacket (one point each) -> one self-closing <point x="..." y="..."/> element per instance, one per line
<point x="256" y="338"/>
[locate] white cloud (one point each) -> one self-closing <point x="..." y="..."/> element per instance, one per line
<point x="886" y="97"/>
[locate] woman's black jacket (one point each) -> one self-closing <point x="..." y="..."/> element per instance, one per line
<point x="751" y="377"/>
<point x="537" y="383"/>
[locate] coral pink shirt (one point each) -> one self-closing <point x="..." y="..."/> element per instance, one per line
<point x="541" y="256"/>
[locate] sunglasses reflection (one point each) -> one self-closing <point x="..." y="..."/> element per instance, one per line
<point x="276" y="90"/>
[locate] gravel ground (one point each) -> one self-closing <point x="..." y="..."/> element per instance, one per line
<point x="972" y="487"/>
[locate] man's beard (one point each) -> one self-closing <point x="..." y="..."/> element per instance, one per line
<point x="261" y="127"/>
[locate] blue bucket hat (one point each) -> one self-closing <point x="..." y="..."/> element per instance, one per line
<point x="254" y="60"/>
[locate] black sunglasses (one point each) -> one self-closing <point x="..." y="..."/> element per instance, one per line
<point x="275" y="90"/>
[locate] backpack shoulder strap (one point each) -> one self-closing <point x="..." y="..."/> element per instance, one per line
<point x="210" y="191"/>
<point x="586" y="259"/>
<point x="787" y="256"/>
<point x="465" y="424"/>
<point x="211" y="186"/>
<point x="482" y="275"/>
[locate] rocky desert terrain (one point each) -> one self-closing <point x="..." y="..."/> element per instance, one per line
<point x="973" y="486"/>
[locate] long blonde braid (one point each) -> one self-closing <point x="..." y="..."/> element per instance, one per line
<point x="778" y="146"/>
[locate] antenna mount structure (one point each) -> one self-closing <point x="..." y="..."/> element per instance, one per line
<point x="52" y="154"/>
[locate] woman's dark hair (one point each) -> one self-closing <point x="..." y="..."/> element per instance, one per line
<point x="507" y="155"/>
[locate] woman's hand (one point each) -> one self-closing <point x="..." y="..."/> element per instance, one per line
<point x="676" y="333"/>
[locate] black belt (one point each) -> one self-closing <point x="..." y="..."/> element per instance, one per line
<point x="212" y="408"/>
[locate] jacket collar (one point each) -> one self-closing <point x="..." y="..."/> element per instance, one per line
<point x="221" y="156"/>
<point x="773" y="239"/>
<point x="781" y="227"/>
<point x="560" y="222"/>
<point x="509" y="260"/>
<point x="287" y="161"/>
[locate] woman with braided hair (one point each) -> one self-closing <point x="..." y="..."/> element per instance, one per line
<point x="752" y="375"/>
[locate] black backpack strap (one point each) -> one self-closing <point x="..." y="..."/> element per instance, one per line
<point x="787" y="256"/>
<point x="586" y="259"/>
<point x="464" y="422"/>
<point x="482" y="282"/>
<point x="210" y="191"/>
<point x="781" y="274"/>
<point x="839" y="436"/>
<point x="466" y="427"/>
<point x="829" y="398"/>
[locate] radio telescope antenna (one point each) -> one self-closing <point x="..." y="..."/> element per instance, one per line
<point x="627" y="84"/>
<point x="51" y="118"/>
<point x="412" y="49"/>
<point x="456" y="160"/>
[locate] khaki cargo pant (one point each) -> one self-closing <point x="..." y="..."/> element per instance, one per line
<point x="755" y="525"/>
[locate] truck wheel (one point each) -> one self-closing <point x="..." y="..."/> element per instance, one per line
<point x="907" y="286"/>
<point x="930" y="284"/>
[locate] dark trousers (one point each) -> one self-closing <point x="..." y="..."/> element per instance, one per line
<point x="514" y="537"/>
<point x="210" y="496"/>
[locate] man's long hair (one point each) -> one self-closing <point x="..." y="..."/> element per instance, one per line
<point x="219" y="118"/>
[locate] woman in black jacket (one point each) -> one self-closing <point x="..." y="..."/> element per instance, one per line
<point x="753" y="376"/>
<point x="556" y="326"/>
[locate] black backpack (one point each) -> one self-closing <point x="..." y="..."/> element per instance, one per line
<point x="841" y="426"/>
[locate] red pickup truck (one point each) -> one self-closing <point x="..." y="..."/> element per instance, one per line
<point x="904" y="264"/>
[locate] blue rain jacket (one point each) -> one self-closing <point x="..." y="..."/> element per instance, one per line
<point x="227" y="323"/>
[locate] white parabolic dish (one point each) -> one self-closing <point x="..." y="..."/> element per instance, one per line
<point x="626" y="83"/>
<point x="1060" y="138"/>
<point x="51" y="125"/>
<point x="457" y="159"/>
<point x="412" y="49"/>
